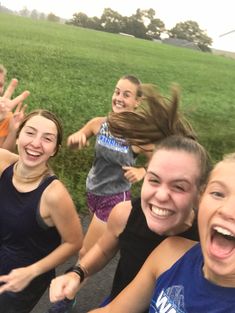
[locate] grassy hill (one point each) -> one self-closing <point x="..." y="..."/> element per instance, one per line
<point x="72" y="71"/>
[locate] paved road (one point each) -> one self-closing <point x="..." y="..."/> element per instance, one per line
<point x="95" y="290"/>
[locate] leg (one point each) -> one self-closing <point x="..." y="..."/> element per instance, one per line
<point x="94" y="232"/>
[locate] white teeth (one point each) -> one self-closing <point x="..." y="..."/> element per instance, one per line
<point x="33" y="153"/>
<point x="161" y="212"/>
<point x="223" y="231"/>
<point x="119" y="104"/>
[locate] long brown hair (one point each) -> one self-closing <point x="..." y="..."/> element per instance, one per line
<point x="156" y="118"/>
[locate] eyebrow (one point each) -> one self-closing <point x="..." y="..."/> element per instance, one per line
<point x="219" y="182"/>
<point x="47" y="134"/>
<point x="174" y="180"/>
<point x="116" y="88"/>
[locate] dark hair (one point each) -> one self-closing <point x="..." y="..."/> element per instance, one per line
<point x="134" y="80"/>
<point x="189" y="145"/>
<point x="155" y="118"/>
<point x="50" y="116"/>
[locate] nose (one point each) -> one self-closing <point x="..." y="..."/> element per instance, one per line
<point x="119" y="96"/>
<point x="36" y="141"/>
<point x="227" y="208"/>
<point x="162" y="193"/>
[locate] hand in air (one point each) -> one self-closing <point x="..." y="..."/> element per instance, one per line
<point x="6" y="103"/>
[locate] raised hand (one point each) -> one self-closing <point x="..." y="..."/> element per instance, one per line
<point x="6" y="103"/>
<point x="17" y="117"/>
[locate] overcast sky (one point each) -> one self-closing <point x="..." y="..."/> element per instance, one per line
<point x="215" y="17"/>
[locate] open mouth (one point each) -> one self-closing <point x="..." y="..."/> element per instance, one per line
<point x="161" y="212"/>
<point x="222" y="242"/>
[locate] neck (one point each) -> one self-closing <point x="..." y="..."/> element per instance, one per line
<point x="25" y="175"/>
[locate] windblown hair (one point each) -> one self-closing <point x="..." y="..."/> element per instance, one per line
<point x="156" y="118"/>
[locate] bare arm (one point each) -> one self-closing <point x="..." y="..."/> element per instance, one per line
<point x="97" y="257"/>
<point x="80" y="138"/>
<point x="135" y="174"/>
<point x="58" y="209"/>
<point x="136" y="297"/>
<point x="6" y="159"/>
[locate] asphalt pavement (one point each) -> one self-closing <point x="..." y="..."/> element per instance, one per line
<point x="94" y="291"/>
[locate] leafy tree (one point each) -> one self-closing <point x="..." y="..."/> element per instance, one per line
<point x="136" y="27"/>
<point x="79" y="19"/>
<point x="42" y="16"/>
<point x="155" y="28"/>
<point x="94" y="23"/>
<point x="34" y="14"/>
<point x="53" y="18"/>
<point x="190" y="31"/>
<point x="111" y="21"/>
<point x="24" y="12"/>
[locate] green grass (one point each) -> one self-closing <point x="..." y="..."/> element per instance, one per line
<point x="73" y="71"/>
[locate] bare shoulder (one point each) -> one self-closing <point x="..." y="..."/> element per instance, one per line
<point x="119" y="216"/>
<point x="56" y="193"/>
<point x="6" y="159"/>
<point x="96" y="123"/>
<point x="169" y="251"/>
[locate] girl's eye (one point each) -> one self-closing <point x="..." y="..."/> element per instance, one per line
<point x="48" y="139"/>
<point x="179" y="188"/>
<point x="29" y="133"/>
<point x="217" y="194"/>
<point x="126" y="95"/>
<point x="154" y="181"/>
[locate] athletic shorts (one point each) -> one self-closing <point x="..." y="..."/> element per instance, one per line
<point x="101" y="206"/>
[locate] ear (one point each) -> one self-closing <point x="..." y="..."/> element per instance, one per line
<point x="138" y="101"/>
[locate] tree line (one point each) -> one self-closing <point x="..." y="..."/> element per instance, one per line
<point x="143" y="24"/>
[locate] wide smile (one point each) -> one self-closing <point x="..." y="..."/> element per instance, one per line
<point x="32" y="153"/>
<point x="161" y="212"/>
<point x="119" y="105"/>
<point x="222" y="242"/>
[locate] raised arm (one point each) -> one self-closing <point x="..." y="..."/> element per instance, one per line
<point x="96" y="258"/>
<point x="80" y="138"/>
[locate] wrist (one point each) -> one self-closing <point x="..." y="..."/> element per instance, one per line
<point x="79" y="270"/>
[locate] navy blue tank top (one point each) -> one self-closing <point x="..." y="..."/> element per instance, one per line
<point x="24" y="237"/>
<point x="183" y="289"/>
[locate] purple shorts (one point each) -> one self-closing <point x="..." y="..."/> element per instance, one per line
<point x="101" y="206"/>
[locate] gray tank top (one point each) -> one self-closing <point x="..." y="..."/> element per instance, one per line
<point x="106" y="177"/>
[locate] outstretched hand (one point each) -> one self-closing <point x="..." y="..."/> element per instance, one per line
<point x="6" y="103"/>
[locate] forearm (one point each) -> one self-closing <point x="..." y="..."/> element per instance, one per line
<point x="55" y="258"/>
<point x="9" y="142"/>
<point x="96" y="259"/>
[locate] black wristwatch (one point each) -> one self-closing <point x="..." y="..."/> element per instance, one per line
<point x="78" y="270"/>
